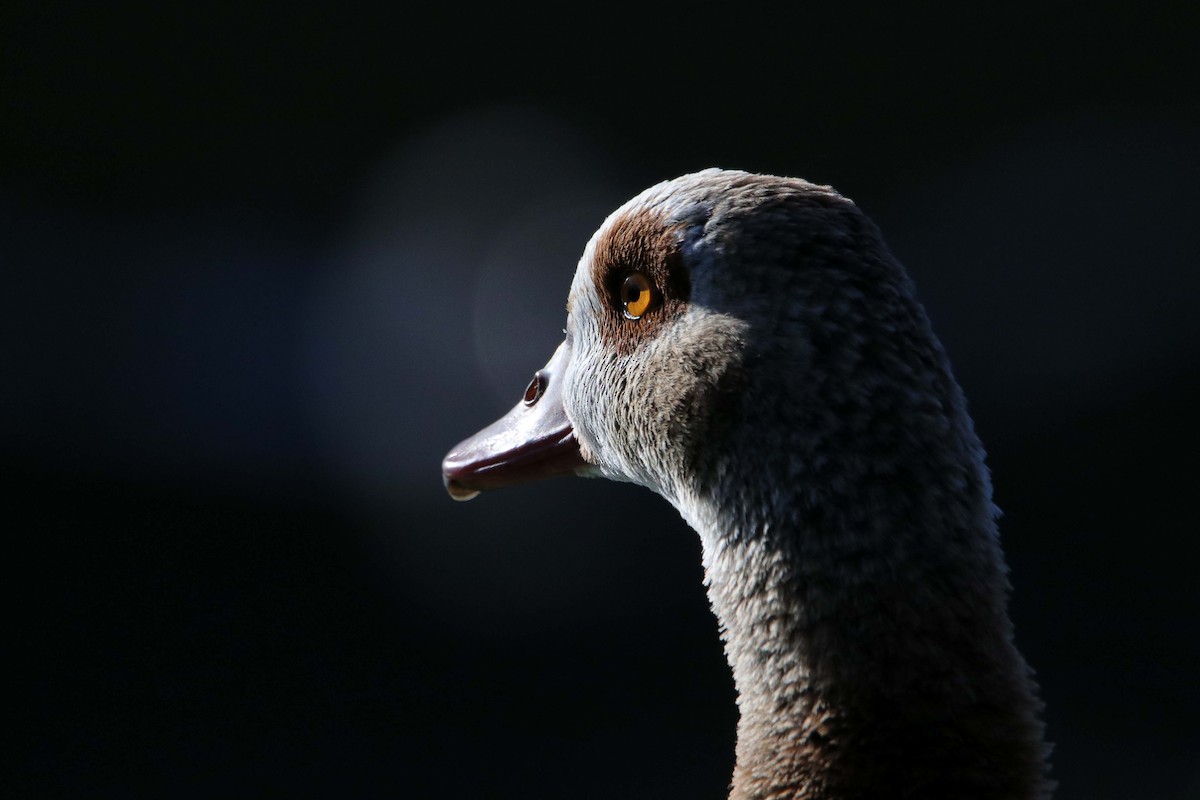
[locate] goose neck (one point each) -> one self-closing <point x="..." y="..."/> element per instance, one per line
<point x="869" y="663"/>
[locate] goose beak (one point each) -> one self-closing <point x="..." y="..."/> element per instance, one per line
<point x="534" y="440"/>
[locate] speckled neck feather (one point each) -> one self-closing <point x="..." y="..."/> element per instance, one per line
<point x="799" y="412"/>
<point x="872" y="658"/>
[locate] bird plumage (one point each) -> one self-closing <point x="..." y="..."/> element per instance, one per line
<point x="786" y="393"/>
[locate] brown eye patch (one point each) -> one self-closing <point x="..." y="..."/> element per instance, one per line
<point x="638" y="270"/>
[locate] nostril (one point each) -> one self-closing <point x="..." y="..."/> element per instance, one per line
<point x="536" y="388"/>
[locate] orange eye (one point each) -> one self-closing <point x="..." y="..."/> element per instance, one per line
<point x="636" y="295"/>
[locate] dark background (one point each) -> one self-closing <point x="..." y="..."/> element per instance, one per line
<point x="263" y="265"/>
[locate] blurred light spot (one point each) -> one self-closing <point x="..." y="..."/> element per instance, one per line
<point x="447" y="293"/>
<point x="521" y="291"/>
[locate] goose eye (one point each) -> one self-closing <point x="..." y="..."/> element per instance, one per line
<point x="636" y="295"/>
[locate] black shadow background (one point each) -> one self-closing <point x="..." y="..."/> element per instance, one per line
<point x="264" y="264"/>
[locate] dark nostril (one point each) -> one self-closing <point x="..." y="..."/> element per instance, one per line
<point x="536" y="388"/>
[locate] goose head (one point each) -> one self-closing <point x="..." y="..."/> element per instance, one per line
<point x="724" y="333"/>
<point x="746" y="346"/>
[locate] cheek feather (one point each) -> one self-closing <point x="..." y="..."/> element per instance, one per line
<point x="614" y="398"/>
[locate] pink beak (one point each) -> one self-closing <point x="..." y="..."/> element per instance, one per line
<point x="535" y="440"/>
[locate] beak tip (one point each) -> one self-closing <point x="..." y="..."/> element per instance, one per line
<point x="455" y="467"/>
<point x="459" y="492"/>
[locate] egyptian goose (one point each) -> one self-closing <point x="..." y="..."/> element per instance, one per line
<point x="746" y="346"/>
